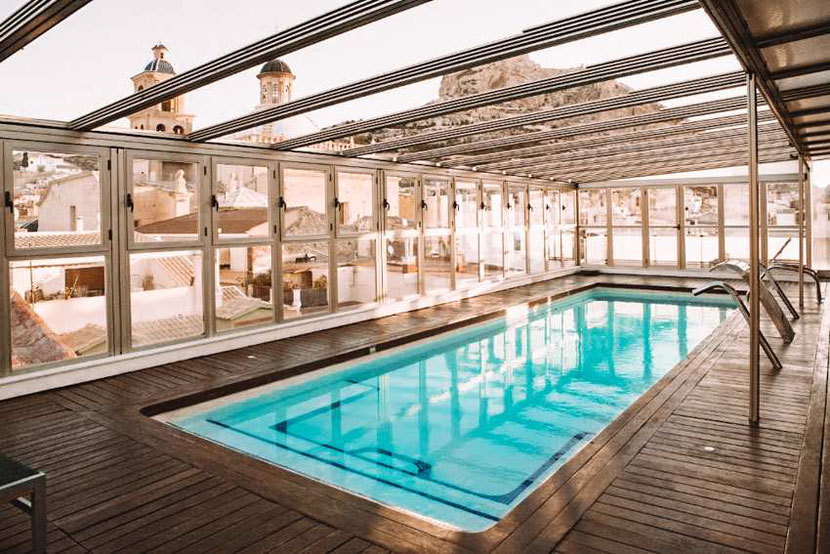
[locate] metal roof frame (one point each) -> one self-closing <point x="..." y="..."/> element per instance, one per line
<point x="327" y="25"/>
<point x="636" y="98"/>
<point x="677" y="152"/>
<point x="602" y="20"/>
<point x="727" y="17"/>
<point x="693" y="142"/>
<point x="510" y="158"/>
<point x="661" y="116"/>
<point x="735" y="158"/>
<point x="668" y="57"/>
<point x="31" y="20"/>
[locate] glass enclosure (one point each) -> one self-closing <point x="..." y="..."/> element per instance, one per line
<point x="176" y="247"/>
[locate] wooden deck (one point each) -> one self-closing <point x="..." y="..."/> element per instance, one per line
<point x="681" y="471"/>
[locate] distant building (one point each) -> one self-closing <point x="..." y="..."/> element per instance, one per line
<point x="276" y="87"/>
<point x="169" y="116"/>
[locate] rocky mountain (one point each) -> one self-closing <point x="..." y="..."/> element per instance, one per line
<point x="506" y="73"/>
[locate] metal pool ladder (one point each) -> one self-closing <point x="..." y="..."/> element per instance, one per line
<point x="776" y="363"/>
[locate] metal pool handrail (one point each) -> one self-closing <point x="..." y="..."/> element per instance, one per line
<point x="776" y="363"/>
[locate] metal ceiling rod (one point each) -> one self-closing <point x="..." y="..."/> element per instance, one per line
<point x="689" y="143"/>
<point x="727" y="17"/>
<point x="792" y="35"/>
<point x="699" y="50"/>
<point x="637" y="98"/>
<point x="799" y="71"/>
<point x="512" y="158"/>
<point x="33" y="19"/>
<point x="662" y="116"/>
<point x="679" y="154"/>
<point x="330" y="24"/>
<point x="646" y="161"/>
<point x="805" y="92"/>
<point x="693" y="164"/>
<point x="603" y="20"/>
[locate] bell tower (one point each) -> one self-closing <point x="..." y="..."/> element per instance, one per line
<point x="169" y="116"/>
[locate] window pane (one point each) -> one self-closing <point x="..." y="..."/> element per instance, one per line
<point x="401" y="203"/>
<point x="736" y="243"/>
<point x="401" y="266"/>
<point x="552" y="209"/>
<point x="437" y="203"/>
<point x="304" y="194"/>
<point x="243" y="287"/>
<point x="592" y="210"/>
<point x="554" y="249"/>
<point x="492" y="205"/>
<point x="305" y="278"/>
<point x="536" y="251"/>
<point x="537" y="207"/>
<point x="736" y="202"/>
<point x="625" y="207"/>
<point x="568" y="239"/>
<point x="783" y="245"/>
<point x="701" y="205"/>
<point x="242" y="194"/>
<point x="466" y="196"/>
<point x="662" y="207"/>
<point x="492" y="254"/>
<point x="662" y="246"/>
<point x="58" y="310"/>
<point x="782" y="205"/>
<point x="57" y="199"/>
<point x="466" y="259"/>
<point x="516" y="253"/>
<point x="166" y="201"/>
<point x="437" y="264"/>
<point x="356" y="194"/>
<point x="594" y="242"/>
<point x="628" y="245"/>
<point x="516" y="210"/>
<point x="356" y="283"/>
<point x="568" y="200"/>
<point x="166" y="296"/>
<point x="701" y="246"/>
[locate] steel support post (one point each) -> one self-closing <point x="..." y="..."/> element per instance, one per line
<point x="801" y="231"/>
<point x="754" y="268"/>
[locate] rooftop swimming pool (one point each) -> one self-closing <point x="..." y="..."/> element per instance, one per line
<point x="461" y="427"/>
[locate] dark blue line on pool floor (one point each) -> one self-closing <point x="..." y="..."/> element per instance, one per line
<point x="361" y="473"/>
<point x="423" y="471"/>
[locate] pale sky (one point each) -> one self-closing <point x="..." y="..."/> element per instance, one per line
<point x="88" y="60"/>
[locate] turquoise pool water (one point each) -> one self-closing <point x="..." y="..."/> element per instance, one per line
<point x="460" y="428"/>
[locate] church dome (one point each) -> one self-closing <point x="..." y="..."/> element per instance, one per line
<point x="160" y="66"/>
<point x="160" y="63"/>
<point x="275" y="66"/>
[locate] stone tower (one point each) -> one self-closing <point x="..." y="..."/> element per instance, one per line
<point x="169" y="116"/>
<point x="276" y="84"/>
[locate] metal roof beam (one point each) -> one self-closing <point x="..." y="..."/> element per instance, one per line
<point x="669" y="57"/>
<point x="736" y="157"/>
<point x="800" y="70"/>
<point x="507" y="159"/>
<point x="727" y="17"/>
<point x="608" y="159"/>
<point x="680" y="167"/>
<point x="33" y="19"/>
<point x="637" y="98"/>
<point x="662" y="116"/>
<point x="792" y="35"/>
<point x="693" y="142"/>
<point x="603" y="20"/>
<point x="330" y="24"/>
